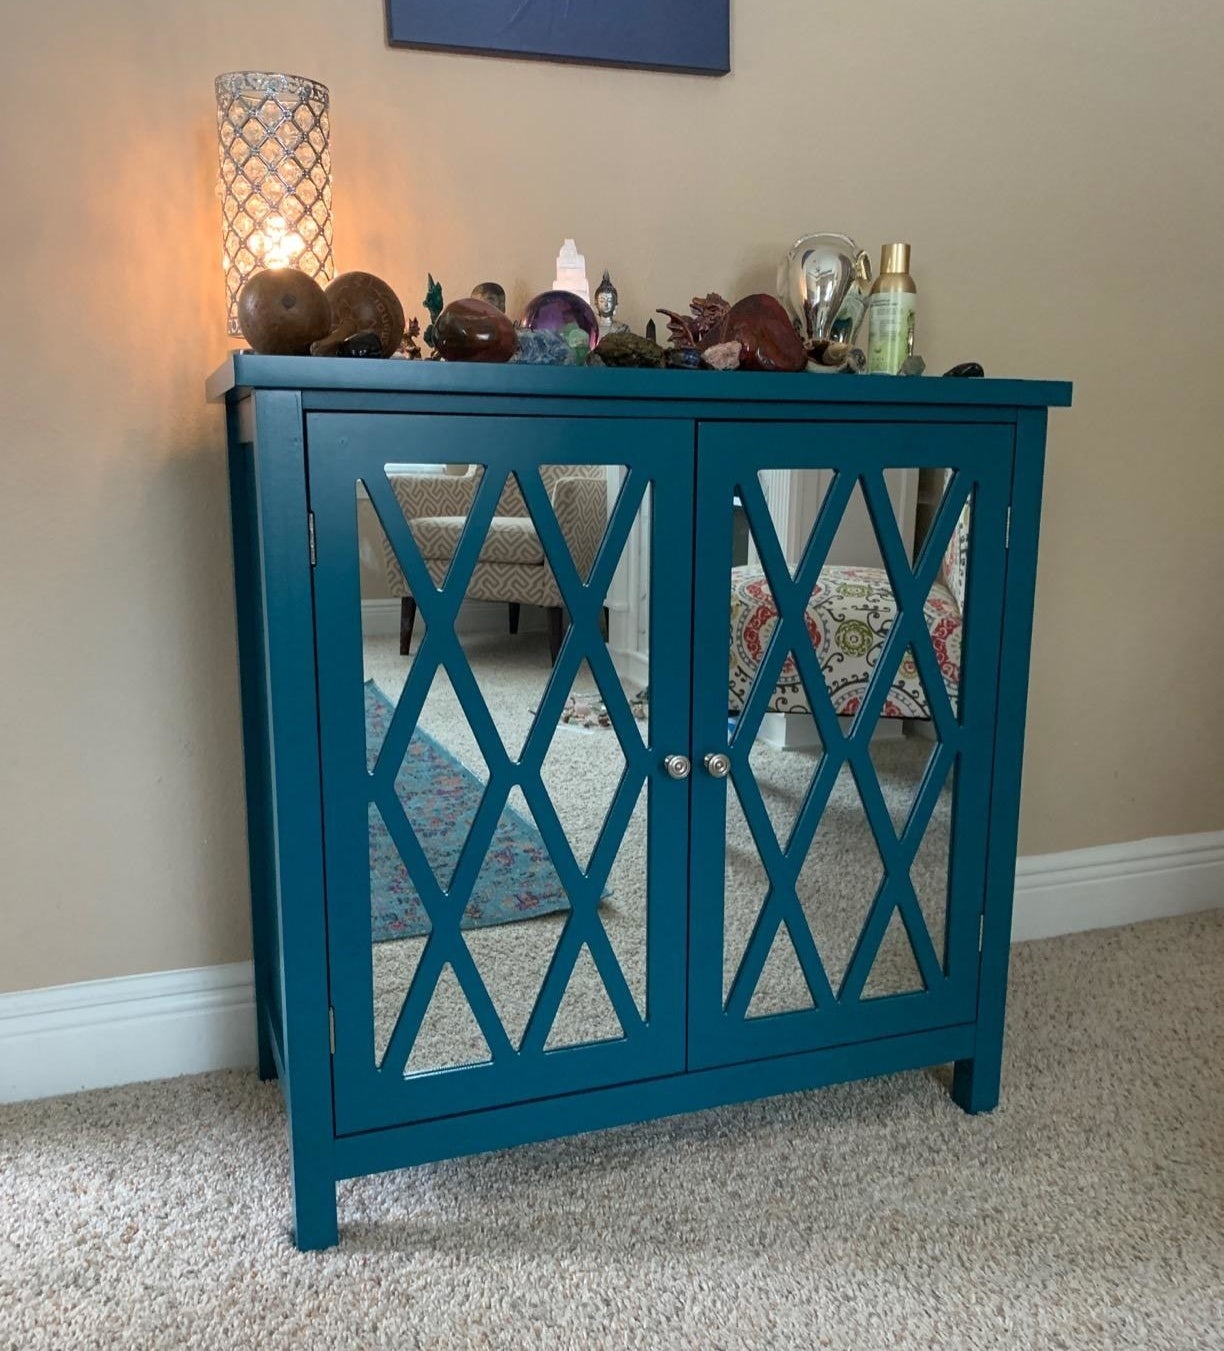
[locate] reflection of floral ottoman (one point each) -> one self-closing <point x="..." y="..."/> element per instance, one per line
<point x="848" y="618"/>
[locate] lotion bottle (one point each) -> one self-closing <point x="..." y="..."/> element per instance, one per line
<point x="890" y="312"/>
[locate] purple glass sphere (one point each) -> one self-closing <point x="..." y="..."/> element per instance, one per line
<point x="567" y="314"/>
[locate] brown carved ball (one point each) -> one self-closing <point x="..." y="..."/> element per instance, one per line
<point x="361" y="303"/>
<point x="281" y="311"/>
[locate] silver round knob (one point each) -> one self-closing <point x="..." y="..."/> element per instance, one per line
<point x="717" y="765"/>
<point x="678" y="766"/>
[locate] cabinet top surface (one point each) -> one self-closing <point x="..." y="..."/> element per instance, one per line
<point x="244" y="371"/>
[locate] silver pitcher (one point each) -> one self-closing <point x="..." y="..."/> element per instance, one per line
<point x="814" y="279"/>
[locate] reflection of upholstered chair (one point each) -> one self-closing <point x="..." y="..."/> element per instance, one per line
<point x="511" y="566"/>
<point x="850" y="614"/>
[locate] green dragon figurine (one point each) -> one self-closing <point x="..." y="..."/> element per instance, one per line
<point x="434" y="303"/>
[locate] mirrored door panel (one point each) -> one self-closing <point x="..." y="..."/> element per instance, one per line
<point x="837" y="831"/>
<point x="489" y="602"/>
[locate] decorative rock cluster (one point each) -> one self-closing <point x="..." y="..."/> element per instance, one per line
<point x="754" y="334"/>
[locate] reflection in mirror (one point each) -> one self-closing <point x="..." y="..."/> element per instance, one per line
<point x="529" y="864"/>
<point x="745" y="884"/>
<point x="848" y="616"/>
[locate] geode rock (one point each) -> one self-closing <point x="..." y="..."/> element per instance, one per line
<point x="723" y="356"/>
<point x="474" y="330"/>
<point x="627" y="349"/>
<point x="282" y="311"/>
<point x="361" y="302"/>
<point x="856" y="361"/>
<point x="765" y="333"/>
<point x="540" y="347"/>
<point x="684" y="359"/>
<point x="967" y="370"/>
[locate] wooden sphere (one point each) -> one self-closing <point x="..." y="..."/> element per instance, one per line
<point x="362" y="303"/>
<point x="281" y="311"/>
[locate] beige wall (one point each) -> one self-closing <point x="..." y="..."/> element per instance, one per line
<point x="1055" y="165"/>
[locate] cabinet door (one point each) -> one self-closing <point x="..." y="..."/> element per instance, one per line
<point x="838" y="883"/>
<point x="505" y="853"/>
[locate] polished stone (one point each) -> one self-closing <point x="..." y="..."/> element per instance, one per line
<point x="767" y="338"/>
<point x="474" y="330"/>
<point x="367" y="344"/>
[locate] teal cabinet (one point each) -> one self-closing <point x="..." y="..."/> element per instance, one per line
<point x="541" y="864"/>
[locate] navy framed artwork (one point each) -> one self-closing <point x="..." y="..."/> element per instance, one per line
<point x="683" y="35"/>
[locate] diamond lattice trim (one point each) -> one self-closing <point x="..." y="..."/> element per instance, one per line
<point x="908" y="639"/>
<point x="440" y="649"/>
<point x="275" y="178"/>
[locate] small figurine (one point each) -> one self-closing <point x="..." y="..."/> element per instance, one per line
<point x="707" y="316"/>
<point x="434" y="303"/>
<point x="606" y="301"/>
<point x="491" y="293"/>
<point x="651" y="331"/>
<point x="409" y="348"/>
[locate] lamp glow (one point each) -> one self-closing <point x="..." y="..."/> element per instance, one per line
<point x="275" y="181"/>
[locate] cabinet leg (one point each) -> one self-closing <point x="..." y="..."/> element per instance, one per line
<point x="514" y="616"/>
<point x="315" y="1222"/>
<point x="975" y="1083"/>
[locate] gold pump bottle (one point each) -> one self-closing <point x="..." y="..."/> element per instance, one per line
<point x="891" y="310"/>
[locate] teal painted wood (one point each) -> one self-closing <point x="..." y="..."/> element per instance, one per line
<point x="659" y="458"/>
<point x="976" y="1079"/>
<point x="281" y="711"/>
<point x="245" y="370"/>
<point x="729" y="458"/>
<point x="627" y="1104"/>
<point x="265" y="936"/>
<point x="296" y="827"/>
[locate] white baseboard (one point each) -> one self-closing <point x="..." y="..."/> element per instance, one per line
<point x="100" y="1033"/>
<point x="1117" y="884"/>
<point x="106" y="1032"/>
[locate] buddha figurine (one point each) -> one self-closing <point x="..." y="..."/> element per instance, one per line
<point x="606" y="301"/>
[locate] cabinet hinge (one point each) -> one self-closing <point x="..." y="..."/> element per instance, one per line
<point x="981" y="941"/>
<point x="310" y="528"/>
<point x="331" y="1027"/>
<point x="1006" y="533"/>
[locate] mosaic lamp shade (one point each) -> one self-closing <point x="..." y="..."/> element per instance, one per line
<point x="275" y="186"/>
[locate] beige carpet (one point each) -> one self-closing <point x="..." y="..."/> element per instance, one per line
<point x="1088" y="1212"/>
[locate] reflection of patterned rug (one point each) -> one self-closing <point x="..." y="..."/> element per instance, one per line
<point x="440" y="797"/>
